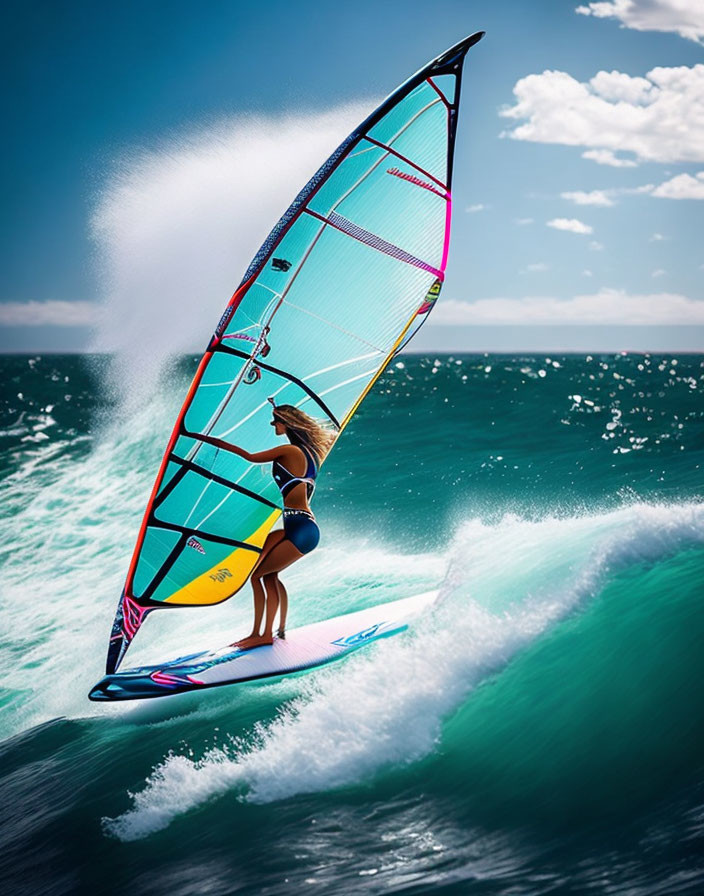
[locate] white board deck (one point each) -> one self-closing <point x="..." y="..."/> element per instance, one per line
<point x="303" y="648"/>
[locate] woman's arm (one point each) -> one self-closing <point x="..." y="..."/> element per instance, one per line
<point x="258" y="457"/>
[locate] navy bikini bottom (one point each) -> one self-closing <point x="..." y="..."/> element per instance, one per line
<point x="301" y="529"/>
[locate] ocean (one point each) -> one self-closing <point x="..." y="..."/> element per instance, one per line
<point x="541" y="731"/>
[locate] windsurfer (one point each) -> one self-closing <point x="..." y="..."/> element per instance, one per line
<point x="294" y="468"/>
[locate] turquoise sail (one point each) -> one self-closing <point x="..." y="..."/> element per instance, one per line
<point x="344" y="279"/>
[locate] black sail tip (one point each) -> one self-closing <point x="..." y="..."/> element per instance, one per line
<point x="457" y="52"/>
<point x="116" y="650"/>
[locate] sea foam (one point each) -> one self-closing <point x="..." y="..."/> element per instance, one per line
<point x="504" y="586"/>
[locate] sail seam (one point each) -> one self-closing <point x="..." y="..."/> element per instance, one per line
<point x="169" y="487"/>
<point x="438" y="91"/>
<point x="207" y="474"/>
<point x="187" y="531"/>
<point x="353" y="379"/>
<point x="405" y="159"/>
<point x="203" y="493"/>
<point x="281" y="373"/>
<point x="335" y="326"/>
<point x="165" y="567"/>
<point x="374" y="241"/>
<point x="308" y="377"/>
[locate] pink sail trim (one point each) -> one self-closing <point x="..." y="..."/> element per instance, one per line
<point x="446" y="244"/>
<point x="132" y="616"/>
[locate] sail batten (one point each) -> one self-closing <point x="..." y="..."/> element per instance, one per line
<point x="285" y="375"/>
<point x="398" y="155"/>
<point x="357" y="260"/>
<point x="374" y="241"/>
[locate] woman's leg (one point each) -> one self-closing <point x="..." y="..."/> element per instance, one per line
<point x="259" y="605"/>
<point x="283" y="606"/>
<point x="272" y="539"/>
<point x="272" y="601"/>
<point x="282" y="555"/>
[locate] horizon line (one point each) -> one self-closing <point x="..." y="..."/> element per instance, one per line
<point x="444" y="351"/>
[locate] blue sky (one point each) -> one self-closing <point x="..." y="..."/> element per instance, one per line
<point x="153" y="146"/>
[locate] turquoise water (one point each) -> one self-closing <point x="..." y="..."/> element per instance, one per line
<point x="541" y="732"/>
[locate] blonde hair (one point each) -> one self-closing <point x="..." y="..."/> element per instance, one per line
<point x="305" y="431"/>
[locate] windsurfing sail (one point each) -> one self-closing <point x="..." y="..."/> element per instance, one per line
<point x="344" y="279"/>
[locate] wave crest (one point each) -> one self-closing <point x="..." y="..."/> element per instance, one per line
<point x="505" y="585"/>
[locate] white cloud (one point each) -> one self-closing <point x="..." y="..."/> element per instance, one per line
<point x="523" y="221"/>
<point x="596" y="246"/>
<point x="594" y="197"/>
<point x="571" y="224"/>
<point x="607" y="157"/>
<point x="477" y="207"/>
<point x="51" y="313"/>
<point x="684" y="17"/>
<point x="659" y="118"/>
<point x="604" y="197"/>
<point x="535" y="268"/>
<point x="587" y="273"/>
<point x="607" y="306"/>
<point x="656" y="238"/>
<point x="683" y="186"/>
<point x="618" y="87"/>
<point x="660" y="272"/>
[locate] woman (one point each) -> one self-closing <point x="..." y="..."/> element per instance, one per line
<point x="294" y="468"/>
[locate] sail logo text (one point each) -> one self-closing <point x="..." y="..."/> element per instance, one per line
<point x="195" y="544"/>
<point x="414" y="180"/>
<point x="221" y="575"/>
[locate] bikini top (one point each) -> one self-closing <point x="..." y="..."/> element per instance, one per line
<point x="287" y="481"/>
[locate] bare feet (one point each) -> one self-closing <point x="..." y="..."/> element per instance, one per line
<point x="253" y="641"/>
<point x="243" y="640"/>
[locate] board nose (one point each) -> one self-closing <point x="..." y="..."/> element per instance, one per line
<point x="100" y="691"/>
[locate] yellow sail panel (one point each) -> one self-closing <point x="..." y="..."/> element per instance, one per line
<point x="227" y="576"/>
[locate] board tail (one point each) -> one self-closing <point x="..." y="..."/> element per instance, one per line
<point x="129" y="617"/>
